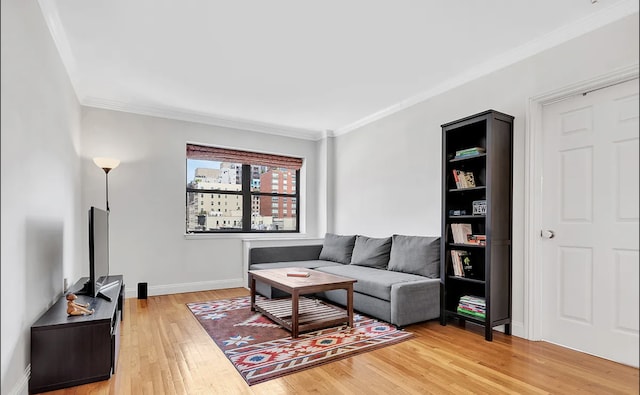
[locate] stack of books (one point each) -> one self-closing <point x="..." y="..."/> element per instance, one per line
<point x="473" y="306"/>
<point x="470" y="152"/>
<point x="477" y="239"/>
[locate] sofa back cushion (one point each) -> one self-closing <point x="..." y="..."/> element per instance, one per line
<point x="337" y="248"/>
<point x="284" y="253"/>
<point x="371" y="252"/>
<point x="416" y="255"/>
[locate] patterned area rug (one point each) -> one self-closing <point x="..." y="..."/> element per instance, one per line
<point x="261" y="350"/>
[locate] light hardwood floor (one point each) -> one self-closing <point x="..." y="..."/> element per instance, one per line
<point x="164" y="350"/>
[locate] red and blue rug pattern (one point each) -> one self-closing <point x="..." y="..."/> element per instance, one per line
<point x="262" y="350"/>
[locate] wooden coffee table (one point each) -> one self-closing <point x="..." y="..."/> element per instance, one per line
<point x="301" y="314"/>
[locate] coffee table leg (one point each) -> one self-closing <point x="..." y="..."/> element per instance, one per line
<point x="295" y="297"/>
<point x="350" y="304"/>
<point x="252" y="282"/>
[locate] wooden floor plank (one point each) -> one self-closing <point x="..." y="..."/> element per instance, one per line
<point x="164" y="350"/>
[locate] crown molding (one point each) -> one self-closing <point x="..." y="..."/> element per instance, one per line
<point x="552" y="39"/>
<point x="50" y="13"/>
<point x="208" y="119"/>
<point x="52" y="18"/>
<point x="533" y="47"/>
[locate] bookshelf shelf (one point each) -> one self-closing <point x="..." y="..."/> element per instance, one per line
<point x="463" y="245"/>
<point x="470" y="157"/>
<point x="465" y="317"/>
<point x="477" y="183"/>
<point x="453" y="217"/>
<point x="461" y="190"/>
<point x="467" y="279"/>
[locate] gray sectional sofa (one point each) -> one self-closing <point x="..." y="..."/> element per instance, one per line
<point x="398" y="277"/>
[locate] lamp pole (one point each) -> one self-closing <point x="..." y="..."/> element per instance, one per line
<point x="106" y="186"/>
<point x="106" y="164"/>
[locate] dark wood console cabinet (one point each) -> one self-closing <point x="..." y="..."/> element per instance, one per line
<point x="73" y="350"/>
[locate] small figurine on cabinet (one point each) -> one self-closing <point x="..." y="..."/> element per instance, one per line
<point x="74" y="308"/>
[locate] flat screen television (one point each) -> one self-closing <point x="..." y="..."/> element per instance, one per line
<point x="98" y="254"/>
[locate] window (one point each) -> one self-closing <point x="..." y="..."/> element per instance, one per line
<point x="250" y="181"/>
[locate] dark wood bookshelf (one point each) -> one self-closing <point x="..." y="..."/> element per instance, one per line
<point x="493" y="174"/>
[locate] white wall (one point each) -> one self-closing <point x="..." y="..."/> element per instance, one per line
<point x="388" y="172"/>
<point x="40" y="182"/>
<point x="147" y="198"/>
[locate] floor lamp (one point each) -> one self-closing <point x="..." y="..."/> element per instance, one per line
<point x="106" y="164"/>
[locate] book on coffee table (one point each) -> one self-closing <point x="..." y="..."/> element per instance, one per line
<point x="298" y="273"/>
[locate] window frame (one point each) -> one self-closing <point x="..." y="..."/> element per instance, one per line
<point x="247" y="199"/>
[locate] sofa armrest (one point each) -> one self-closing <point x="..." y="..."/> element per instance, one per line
<point x="284" y="253"/>
<point x="415" y="301"/>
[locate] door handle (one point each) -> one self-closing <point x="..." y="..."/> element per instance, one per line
<point x="547" y="234"/>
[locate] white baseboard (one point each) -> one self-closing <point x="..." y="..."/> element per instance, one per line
<point x="22" y="386"/>
<point x="169" y="289"/>
<point x="517" y="329"/>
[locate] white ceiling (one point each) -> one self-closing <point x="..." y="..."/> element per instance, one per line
<point x="294" y="67"/>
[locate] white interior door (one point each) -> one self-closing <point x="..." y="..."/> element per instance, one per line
<point x="590" y="269"/>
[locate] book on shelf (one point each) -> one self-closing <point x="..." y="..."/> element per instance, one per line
<point x="467" y="265"/>
<point x="471" y="313"/>
<point x="474" y="300"/>
<point x="470" y="307"/>
<point x="455" y="264"/>
<point x="460" y="232"/>
<point x="469" y="180"/>
<point x="476" y="239"/>
<point x="464" y="179"/>
<point x="456" y="179"/>
<point x="461" y="263"/>
<point x="470" y="152"/>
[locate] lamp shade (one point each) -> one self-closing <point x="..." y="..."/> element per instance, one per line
<point x="106" y="164"/>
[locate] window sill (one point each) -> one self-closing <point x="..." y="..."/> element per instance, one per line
<point x="247" y="236"/>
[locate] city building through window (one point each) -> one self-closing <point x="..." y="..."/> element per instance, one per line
<point x="253" y="186"/>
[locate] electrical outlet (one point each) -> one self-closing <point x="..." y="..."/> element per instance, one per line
<point x="65" y="285"/>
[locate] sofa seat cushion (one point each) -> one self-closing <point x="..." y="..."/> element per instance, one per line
<point x="312" y="264"/>
<point x="373" y="282"/>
